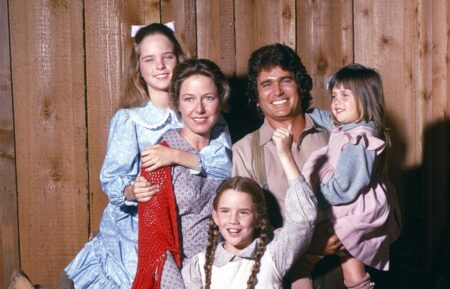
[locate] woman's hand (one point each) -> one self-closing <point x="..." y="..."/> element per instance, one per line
<point x="141" y="190"/>
<point x="157" y="156"/>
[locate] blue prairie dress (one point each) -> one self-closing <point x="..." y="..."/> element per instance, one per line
<point x="109" y="260"/>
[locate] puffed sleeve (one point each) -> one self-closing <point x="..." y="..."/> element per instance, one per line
<point x="353" y="173"/>
<point x="191" y="273"/>
<point x="121" y="163"/>
<point x="295" y="236"/>
<point x="215" y="159"/>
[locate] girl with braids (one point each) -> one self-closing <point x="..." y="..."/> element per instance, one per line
<point x="248" y="258"/>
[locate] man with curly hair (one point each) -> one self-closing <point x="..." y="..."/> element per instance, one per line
<point x="279" y="86"/>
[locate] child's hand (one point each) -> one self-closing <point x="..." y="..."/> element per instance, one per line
<point x="156" y="156"/>
<point x="143" y="191"/>
<point x="283" y="140"/>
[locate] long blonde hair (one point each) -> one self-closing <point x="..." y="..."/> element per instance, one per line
<point x="135" y="93"/>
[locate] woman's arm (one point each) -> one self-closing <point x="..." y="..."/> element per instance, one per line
<point x="157" y="156"/>
<point x="214" y="160"/>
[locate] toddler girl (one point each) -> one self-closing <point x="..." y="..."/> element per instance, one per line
<point x="348" y="173"/>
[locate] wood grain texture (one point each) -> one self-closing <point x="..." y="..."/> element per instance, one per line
<point x="244" y="17"/>
<point x="384" y="31"/>
<point x="185" y="25"/>
<point x="152" y="11"/>
<point x="167" y="11"/>
<point x="324" y="41"/>
<point x="108" y="48"/>
<point x="9" y="237"/>
<point x="379" y="35"/>
<point x="215" y="32"/>
<point x="260" y="23"/>
<point x="50" y="130"/>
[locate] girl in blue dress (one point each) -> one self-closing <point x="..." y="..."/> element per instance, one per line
<point x="109" y="260"/>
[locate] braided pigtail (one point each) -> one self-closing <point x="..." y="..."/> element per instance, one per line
<point x="213" y="233"/>
<point x="263" y="241"/>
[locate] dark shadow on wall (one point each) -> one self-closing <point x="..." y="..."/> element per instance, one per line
<point x="420" y="257"/>
<point x="436" y="171"/>
<point x="242" y="117"/>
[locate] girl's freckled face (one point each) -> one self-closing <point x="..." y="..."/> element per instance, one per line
<point x="236" y="219"/>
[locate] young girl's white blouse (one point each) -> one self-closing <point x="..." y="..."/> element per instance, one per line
<point x="233" y="270"/>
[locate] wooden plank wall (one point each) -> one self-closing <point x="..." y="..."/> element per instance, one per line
<point x="47" y="60"/>
<point x="61" y="80"/>
<point x="9" y="237"/>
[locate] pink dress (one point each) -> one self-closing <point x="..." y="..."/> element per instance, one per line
<point x="369" y="224"/>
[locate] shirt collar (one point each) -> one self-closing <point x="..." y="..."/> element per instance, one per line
<point x="153" y="117"/>
<point x="266" y="130"/>
<point x="222" y="256"/>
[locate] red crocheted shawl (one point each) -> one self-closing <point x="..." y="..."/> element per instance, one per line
<point x="158" y="230"/>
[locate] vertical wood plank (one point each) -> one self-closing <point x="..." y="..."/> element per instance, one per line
<point x="245" y="42"/>
<point x="380" y="32"/>
<point x="324" y="41"/>
<point x="384" y="29"/>
<point x="186" y="25"/>
<point x="152" y="11"/>
<point x="9" y="237"/>
<point x="108" y="44"/>
<point x="258" y="23"/>
<point x="50" y="127"/>
<point x="167" y="11"/>
<point x="215" y="32"/>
